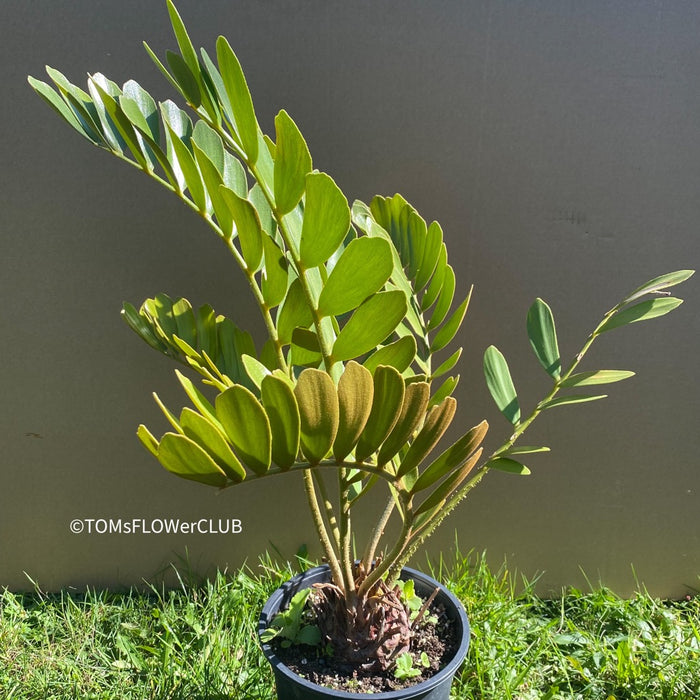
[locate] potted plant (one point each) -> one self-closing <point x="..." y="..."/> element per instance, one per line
<point x="357" y="302"/>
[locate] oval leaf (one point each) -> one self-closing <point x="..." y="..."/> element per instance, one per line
<point x="185" y="458"/>
<point x="146" y="437"/>
<point x="398" y="354"/>
<point x="500" y="384"/>
<point x="415" y="404"/>
<point x="189" y="169"/>
<point x="292" y="163"/>
<point x="601" y="376"/>
<point x="361" y="270"/>
<point x="326" y="220"/>
<point x="199" y="401"/>
<point x="452" y="325"/>
<point x="239" y="96"/>
<point x="373" y="321"/>
<point x="436" y="423"/>
<point x="283" y="413"/>
<point x="431" y="252"/>
<point x="643" y="311"/>
<point x="248" y="226"/>
<point x="274" y="273"/>
<point x="210" y="438"/>
<point x="318" y="410"/>
<point x="543" y="337"/>
<point x="445" y="298"/>
<point x="294" y="313"/>
<point x="510" y="466"/>
<point x="247" y="426"/>
<point x="389" y="391"/>
<point x="670" y="279"/>
<point x="355" y="394"/>
<point x="448" y="364"/>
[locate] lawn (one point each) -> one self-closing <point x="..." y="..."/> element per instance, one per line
<point x="197" y="642"/>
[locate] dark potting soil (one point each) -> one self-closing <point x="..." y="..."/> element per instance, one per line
<point x="437" y="639"/>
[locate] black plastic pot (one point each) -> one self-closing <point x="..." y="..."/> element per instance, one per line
<point x="290" y="686"/>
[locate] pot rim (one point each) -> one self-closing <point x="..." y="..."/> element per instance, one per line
<point x="296" y="583"/>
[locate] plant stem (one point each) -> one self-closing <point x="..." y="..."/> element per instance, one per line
<point x="264" y="308"/>
<point x="330" y="513"/>
<point x="321" y="529"/>
<point x="388" y="562"/>
<point x="377" y="532"/>
<point x="345" y="530"/>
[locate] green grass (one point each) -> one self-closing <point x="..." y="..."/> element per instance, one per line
<point x="198" y="642"/>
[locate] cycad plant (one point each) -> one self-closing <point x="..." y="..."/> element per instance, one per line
<point x="357" y="302"/>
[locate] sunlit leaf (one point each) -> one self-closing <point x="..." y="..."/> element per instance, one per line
<point x="199" y="401"/>
<point x="436" y="423"/>
<point x="445" y="389"/>
<point x="246" y="426"/>
<point x="212" y="182"/>
<point x="185" y="458"/>
<point x="148" y="440"/>
<point x="398" y="354"/>
<point x="210" y="143"/>
<point x="183" y="40"/>
<point x="526" y="450"/>
<point x="318" y="410"/>
<point x="255" y="369"/>
<point x="431" y="253"/>
<point x="326" y="219"/>
<point x="208" y="436"/>
<point x="372" y="322"/>
<point x="239" y="96"/>
<point x="510" y="466"/>
<point x="644" y="310"/>
<point x="247" y="225"/>
<point x="283" y="413"/>
<point x="543" y="337"/>
<point x="413" y="411"/>
<point x="146" y="106"/>
<point x="567" y="400"/>
<point x="355" y="394"/>
<point x="447" y="292"/>
<point x="292" y="163"/>
<point x="451" y="326"/>
<point x="139" y="325"/>
<point x="188" y="166"/>
<point x="435" y="286"/>
<point x="185" y="321"/>
<point x="52" y="98"/>
<point x="448" y="364"/>
<point x="294" y="313"/>
<point x="386" y="407"/>
<point x="185" y="78"/>
<point x="670" y="279"/>
<point x="361" y="270"/>
<point x="601" y="376"/>
<point x="500" y="384"/>
<point x="274" y="273"/>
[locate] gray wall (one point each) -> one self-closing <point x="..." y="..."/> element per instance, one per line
<point x="556" y="142"/>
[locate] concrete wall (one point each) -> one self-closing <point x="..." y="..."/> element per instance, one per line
<point x="556" y="142"/>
